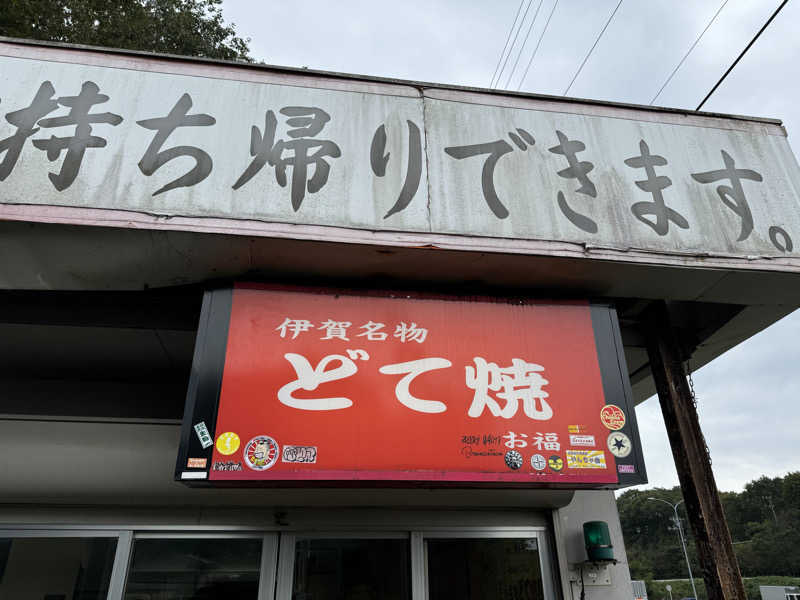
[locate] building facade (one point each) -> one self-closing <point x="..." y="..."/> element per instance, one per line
<point x="132" y="185"/>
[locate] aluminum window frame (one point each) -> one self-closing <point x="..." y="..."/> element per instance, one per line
<point x="288" y="541"/>
<point x="540" y="534"/>
<point x="267" y="560"/>
<point x="418" y="552"/>
<point x="122" y="551"/>
<point x="276" y="568"/>
<point x="127" y="537"/>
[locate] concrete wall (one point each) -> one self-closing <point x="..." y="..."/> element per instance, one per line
<point x="113" y="463"/>
<point x="121" y="473"/>
<point x="604" y="583"/>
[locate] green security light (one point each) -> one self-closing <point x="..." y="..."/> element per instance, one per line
<point x="598" y="541"/>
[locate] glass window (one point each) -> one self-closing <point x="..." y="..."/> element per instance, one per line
<point x="484" y="569"/>
<point x="352" y="569"/>
<point x="60" y="568"/>
<point x="194" y="569"/>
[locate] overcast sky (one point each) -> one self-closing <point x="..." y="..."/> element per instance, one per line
<point x="747" y="397"/>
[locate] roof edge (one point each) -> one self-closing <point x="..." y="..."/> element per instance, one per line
<point x="376" y="79"/>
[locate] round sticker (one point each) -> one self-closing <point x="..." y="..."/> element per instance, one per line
<point x="228" y="443"/>
<point x="612" y="417"/>
<point x="619" y="444"/>
<point x="261" y="453"/>
<point x="555" y="462"/>
<point x="538" y="462"/>
<point x="513" y="459"/>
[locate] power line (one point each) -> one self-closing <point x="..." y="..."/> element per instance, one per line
<point x="510" y="31"/>
<point x="525" y="41"/>
<point x="535" y="50"/>
<point x="685" y="56"/>
<point x="514" y="42"/>
<point x="736" y="62"/>
<point x="578" y="72"/>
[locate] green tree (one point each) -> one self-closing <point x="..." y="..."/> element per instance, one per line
<point x="651" y="535"/>
<point x="767" y="543"/>
<point x="186" y="27"/>
<point x="791" y="490"/>
<point x="773" y="547"/>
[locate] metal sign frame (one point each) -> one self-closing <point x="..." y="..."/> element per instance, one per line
<point x="203" y="401"/>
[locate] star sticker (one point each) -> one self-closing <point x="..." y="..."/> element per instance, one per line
<point x="618" y="443"/>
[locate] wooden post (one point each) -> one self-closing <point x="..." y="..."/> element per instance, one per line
<point x="714" y="548"/>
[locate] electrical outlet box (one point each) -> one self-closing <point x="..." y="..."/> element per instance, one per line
<point x="593" y="574"/>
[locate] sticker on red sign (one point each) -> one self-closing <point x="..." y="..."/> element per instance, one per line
<point x="261" y="453"/>
<point x="612" y="417"/>
<point x="619" y="444"/>
<point x="577" y="428"/>
<point x="299" y="454"/>
<point x="346" y="387"/>
<point x="582" y="440"/>
<point x="586" y="459"/>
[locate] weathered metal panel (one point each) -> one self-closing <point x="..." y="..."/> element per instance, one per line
<point x="110" y="177"/>
<point x="398" y="159"/>
<point x="527" y="182"/>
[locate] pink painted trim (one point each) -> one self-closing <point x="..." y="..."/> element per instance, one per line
<point x="102" y="217"/>
<point x="443" y="476"/>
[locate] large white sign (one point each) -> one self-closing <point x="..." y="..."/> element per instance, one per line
<point x="392" y="158"/>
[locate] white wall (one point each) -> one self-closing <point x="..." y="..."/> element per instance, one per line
<point x="568" y="524"/>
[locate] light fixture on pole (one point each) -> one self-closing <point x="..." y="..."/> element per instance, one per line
<point x="683" y="542"/>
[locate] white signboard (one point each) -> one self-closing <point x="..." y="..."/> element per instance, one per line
<point x="386" y="157"/>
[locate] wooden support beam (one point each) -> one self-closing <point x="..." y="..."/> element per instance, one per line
<point x="714" y="549"/>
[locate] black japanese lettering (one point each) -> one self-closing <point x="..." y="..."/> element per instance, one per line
<point x="25" y="120"/>
<point x="303" y="151"/>
<point x="379" y="160"/>
<point x="654" y="184"/>
<point x="75" y="145"/>
<point x="495" y="150"/>
<point x="577" y="170"/>
<point x="732" y="195"/>
<point x="154" y="158"/>
<point x="784" y="244"/>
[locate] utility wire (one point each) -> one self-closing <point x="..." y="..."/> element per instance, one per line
<point x="602" y="31"/>
<point x="524" y="42"/>
<point x="535" y="50"/>
<point x="513" y="43"/>
<point x="510" y="31"/>
<point x="685" y="56"/>
<point x="736" y="62"/>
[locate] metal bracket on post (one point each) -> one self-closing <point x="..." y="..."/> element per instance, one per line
<point x="703" y="506"/>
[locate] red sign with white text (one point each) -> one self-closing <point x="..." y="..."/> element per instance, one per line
<point x="319" y="386"/>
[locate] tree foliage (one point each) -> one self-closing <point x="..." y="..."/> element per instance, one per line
<point x="764" y="521"/>
<point x="186" y="27"/>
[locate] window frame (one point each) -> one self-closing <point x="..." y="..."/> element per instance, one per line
<point x="276" y="570"/>
<point x="288" y="540"/>
<point x="121" y="552"/>
<point x="127" y="537"/>
<point x="546" y="562"/>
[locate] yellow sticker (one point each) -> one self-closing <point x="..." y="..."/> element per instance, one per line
<point x="586" y="459"/>
<point x="228" y="443"/>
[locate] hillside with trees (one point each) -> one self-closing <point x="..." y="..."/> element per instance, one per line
<point x="186" y="27"/>
<point x="764" y="521"/>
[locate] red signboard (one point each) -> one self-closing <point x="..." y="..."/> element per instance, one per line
<point x="341" y="387"/>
